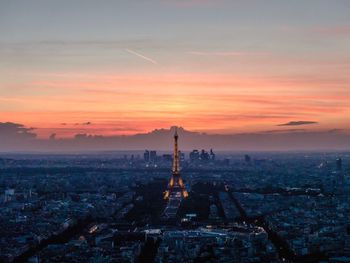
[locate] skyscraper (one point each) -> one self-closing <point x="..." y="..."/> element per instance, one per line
<point x="339" y="164"/>
<point x="153" y="156"/>
<point x="146" y="156"/>
<point x="194" y="156"/>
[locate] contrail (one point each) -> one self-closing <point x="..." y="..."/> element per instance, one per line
<point x="141" y="56"/>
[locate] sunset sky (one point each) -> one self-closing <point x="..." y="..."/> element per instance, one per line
<point x="125" y="67"/>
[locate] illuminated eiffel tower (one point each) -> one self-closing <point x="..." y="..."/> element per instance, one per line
<point x="176" y="187"/>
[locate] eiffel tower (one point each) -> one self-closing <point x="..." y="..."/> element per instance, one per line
<point x="176" y="189"/>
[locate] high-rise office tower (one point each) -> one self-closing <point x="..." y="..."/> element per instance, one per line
<point x="146" y="156"/>
<point x="153" y="156"/>
<point x="339" y="164"/>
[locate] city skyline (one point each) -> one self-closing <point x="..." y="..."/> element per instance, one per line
<point x="162" y="131"/>
<point x="124" y="68"/>
<point x="16" y="138"/>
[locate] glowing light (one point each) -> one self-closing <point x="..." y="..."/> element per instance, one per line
<point x="181" y="183"/>
<point x="184" y="193"/>
<point x="166" y="194"/>
<point x="171" y="183"/>
<point x="93" y="229"/>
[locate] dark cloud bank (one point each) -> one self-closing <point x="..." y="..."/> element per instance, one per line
<point x="16" y="137"/>
<point x="297" y="123"/>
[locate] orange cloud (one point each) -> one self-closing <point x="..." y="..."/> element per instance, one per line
<point x="131" y="103"/>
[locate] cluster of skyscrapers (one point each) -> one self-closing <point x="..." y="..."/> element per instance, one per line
<point x="195" y="156"/>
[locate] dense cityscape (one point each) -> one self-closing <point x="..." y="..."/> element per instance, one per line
<point x="224" y="207"/>
<point x="174" y="131"/>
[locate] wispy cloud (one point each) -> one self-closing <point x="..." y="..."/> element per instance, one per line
<point x="227" y="53"/>
<point x="282" y="131"/>
<point x="141" y="56"/>
<point x="84" y="123"/>
<point x="332" y="30"/>
<point x="192" y="3"/>
<point x="298" y="123"/>
<point x="77" y="123"/>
